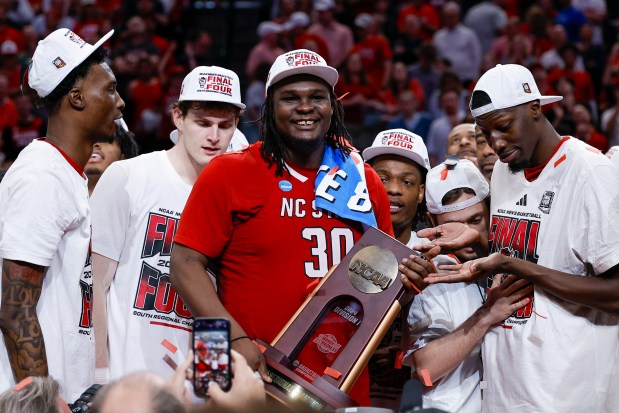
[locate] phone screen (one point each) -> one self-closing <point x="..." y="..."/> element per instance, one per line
<point x="211" y="349"/>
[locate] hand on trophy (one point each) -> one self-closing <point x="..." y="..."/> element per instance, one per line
<point x="415" y="268"/>
<point x="253" y="355"/>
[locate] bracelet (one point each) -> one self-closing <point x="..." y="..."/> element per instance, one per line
<point x="239" y="338"/>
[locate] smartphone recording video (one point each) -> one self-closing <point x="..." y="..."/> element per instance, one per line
<point x="211" y="348"/>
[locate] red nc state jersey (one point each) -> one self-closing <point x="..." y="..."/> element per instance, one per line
<point x="269" y="242"/>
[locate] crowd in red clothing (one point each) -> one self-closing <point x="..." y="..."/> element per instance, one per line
<point x="384" y="50"/>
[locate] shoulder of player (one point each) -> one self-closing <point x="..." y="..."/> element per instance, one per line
<point x="139" y="168"/>
<point x="245" y="159"/>
<point x="145" y="160"/>
<point x="41" y="164"/>
<point x="582" y="155"/>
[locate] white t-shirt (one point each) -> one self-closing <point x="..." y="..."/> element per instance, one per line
<point x="556" y="356"/>
<point x="136" y="207"/>
<point x="45" y="220"/>
<point x="441" y="309"/>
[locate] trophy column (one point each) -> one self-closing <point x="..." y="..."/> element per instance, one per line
<point x="323" y="349"/>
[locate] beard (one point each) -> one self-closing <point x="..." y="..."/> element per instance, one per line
<point x="303" y="145"/>
<point x="104" y="138"/>
<point x="91" y="172"/>
<point x="518" y="166"/>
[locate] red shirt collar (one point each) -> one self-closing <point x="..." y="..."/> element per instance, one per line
<point x="79" y="169"/>
<point x="531" y="174"/>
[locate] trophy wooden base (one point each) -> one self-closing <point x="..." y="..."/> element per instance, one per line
<point x="292" y="390"/>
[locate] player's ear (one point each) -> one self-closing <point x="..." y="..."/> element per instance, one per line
<point x="177" y="117"/>
<point x="75" y="98"/>
<point x="432" y="219"/>
<point x="535" y="109"/>
<point x="422" y="191"/>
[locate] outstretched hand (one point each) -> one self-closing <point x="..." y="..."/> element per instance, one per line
<point x="469" y="271"/>
<point x="451" y="236"/>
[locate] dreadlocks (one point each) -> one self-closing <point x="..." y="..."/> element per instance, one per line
<point x="273" y="145"/>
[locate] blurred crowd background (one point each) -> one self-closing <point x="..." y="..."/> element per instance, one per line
<point x="409" y="64"/>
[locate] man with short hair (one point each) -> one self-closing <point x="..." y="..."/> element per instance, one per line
<point x="486" y="156"/>
<point x="338" y="36"/>
<point x="123" y="146"/>
<point x="409" y="118"/>
<point x="458" y="44"/>
<point x="448" y="321"/>
<point x="136" y="207"/>
<point x="554" y="223"/>
<point x="441" y="126"/>
<point x="268" y="218"/>
<point x="461" y="142"/>
<point x="45" y="227"/>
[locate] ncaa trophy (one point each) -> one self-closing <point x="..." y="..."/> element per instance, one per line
<point x="317" y="357"/>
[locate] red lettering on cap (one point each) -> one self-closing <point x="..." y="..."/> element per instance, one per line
<point x="400" y="143"/>
<point x="306" y="56"/>
<point x="219" y="79"/>
<point x="219" y="88"/>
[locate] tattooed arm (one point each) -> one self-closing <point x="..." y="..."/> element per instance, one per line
<point x="21" y="289"/>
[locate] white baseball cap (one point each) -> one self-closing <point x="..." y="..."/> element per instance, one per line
<point x="56" y="56"/>
<point x="297" y="19"/>
<point x="399" y="142"/>
<point x="364" y="20"/>
<point x="508" y="86"/>
<point x="269" y="27"/>
<point x="8" y="47"/>
<point x="322" y="5"/>
<point x="301" y="61"/>
<point x="453" y="175"/>
<point x="237" y="143"/>
<point x="212" y="84"/>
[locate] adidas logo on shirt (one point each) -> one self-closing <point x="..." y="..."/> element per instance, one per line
<point x="523" y="201"/>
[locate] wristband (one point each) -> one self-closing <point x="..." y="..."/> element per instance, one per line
<point x="102" y="375"/>
<point x="239" y="338"/>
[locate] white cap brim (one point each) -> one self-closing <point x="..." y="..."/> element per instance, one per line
<point x="326" y="73"/>
<point x="103" y="39"/>
<point x="94" y="47"/>
<point x="508" y="86"/>
<point x="543" y="100"/>
<point x="372" y="152"/>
